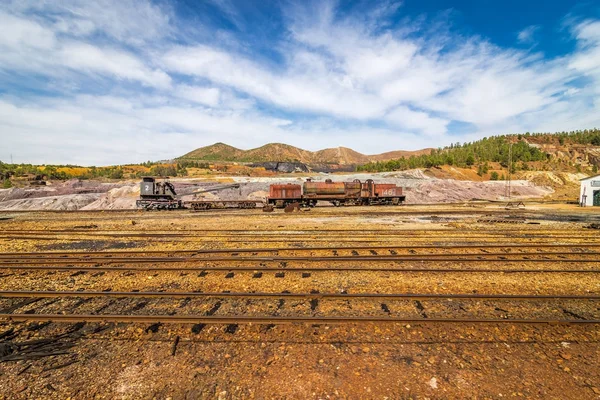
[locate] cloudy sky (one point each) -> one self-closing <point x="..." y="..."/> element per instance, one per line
<point x="114" y="81"/>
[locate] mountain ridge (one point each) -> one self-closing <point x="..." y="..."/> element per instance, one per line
<point x="281" y="152"/>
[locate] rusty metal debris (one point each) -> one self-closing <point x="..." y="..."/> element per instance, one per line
<point x="40" y="348"/>
<point x="292" y="207"/>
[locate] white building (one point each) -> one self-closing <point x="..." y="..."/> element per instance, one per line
<point x="589" y="195"/>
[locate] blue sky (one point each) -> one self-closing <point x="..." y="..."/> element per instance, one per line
<point x="116" y="81"/>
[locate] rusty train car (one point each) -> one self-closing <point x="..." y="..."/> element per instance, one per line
<point x="337" y="193"/>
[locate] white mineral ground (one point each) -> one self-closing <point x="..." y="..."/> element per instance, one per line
<point x="94" y="195"/>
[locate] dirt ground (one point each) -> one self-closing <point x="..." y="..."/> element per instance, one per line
<point x="375" y="360"/>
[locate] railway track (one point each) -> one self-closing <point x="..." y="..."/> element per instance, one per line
<point x="393" y="298"/>
<point x="300" y="241"/>
<point x="397" y="314"/>
<point x="336" y="259"/>
<point x="505" y="255"/>
<point x="288" y="295"/>
<point x="279" y="269"/>
<point x="560" y="257"/>
<point x="384" y="230"/>
<point x="403" y="209"/>
<point x="197" y="238"/>
<point x="241" y="319"/>
<point x="393" y="249"/>
<point x="286" y="234"/>
<point x="508" y="247"/>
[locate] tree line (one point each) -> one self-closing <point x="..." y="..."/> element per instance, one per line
<point x="495" y="149"/>
<point x="62" y="172"/>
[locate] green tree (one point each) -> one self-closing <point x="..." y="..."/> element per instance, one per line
<point x="494" y="176"/>
<point x="470" y="160"/>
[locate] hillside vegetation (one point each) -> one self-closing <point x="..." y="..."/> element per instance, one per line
<point x="63" y="172"/>
<point x="564" y="151"/>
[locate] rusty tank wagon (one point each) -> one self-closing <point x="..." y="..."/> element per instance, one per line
<point x="337" y="193"/>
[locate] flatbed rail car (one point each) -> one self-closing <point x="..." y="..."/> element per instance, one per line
<point x="337" y="193"/>
<point x="210" y="204"/>
<point x="157" y="195"/>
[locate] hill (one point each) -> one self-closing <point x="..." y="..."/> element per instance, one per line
<point x="216" y="152"/>
<point x="286" y="153"/>
<point x="574" y="151"/>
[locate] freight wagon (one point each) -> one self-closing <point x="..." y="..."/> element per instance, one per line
<point x="337" y="193"/>
<point x="161" y="195"/>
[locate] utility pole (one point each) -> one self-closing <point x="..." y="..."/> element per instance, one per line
<point x="509" y="168"/>
<point x="508" y="182"/>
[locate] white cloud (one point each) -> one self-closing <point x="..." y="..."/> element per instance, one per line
<point x="350" y="79"/>
<point x="85" y="57"/>
<point x="341" y="68"/>
<point x="28" y="46"/>
<point x="587" y="60"/>
<point x="20" y="33"/>
<point x="101" y="130"/>
<point x="527" y="35"/>
<point x="418" y="121"/>
<point x="588" y="31"/>
<point x="129" y="21"/>
<point x="202" y="95"/>
<point x="327" y="93"/>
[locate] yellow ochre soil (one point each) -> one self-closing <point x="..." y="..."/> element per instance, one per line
<point x="375" y="360"/>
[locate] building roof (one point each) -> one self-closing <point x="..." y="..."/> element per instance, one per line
<point x="589" y="177"/>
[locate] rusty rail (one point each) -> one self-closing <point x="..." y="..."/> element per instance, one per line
<point x="294" y="269"/>
<point x="504" y="258"/>
<point x="37" y="254"/>
<point x="242" y="319"/>
<point x="267" y="295"/>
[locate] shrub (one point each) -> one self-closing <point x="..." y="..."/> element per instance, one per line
<point x="470" y="160"/>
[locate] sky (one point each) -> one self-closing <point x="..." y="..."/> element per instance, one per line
<point x="124" y="81"/>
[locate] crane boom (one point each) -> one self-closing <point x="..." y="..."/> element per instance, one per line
<point x="217" y="188"/>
